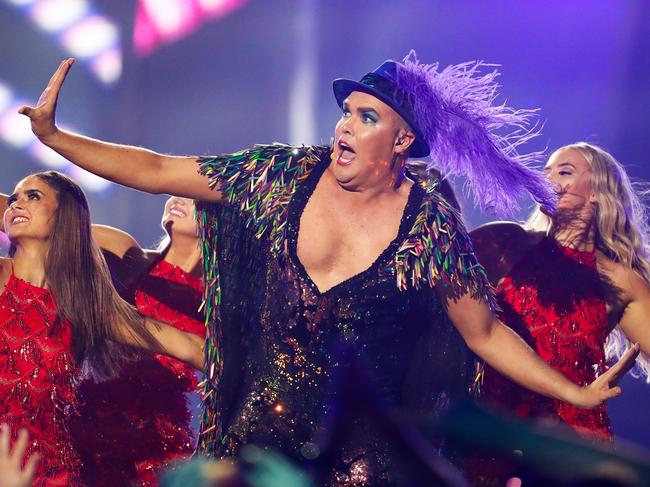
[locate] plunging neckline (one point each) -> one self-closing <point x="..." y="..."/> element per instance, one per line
<point x="297" y="207"/>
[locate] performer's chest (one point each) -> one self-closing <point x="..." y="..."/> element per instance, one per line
<point x="337" y="240"/>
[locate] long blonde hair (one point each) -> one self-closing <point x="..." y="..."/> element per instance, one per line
<point x="622" y="230"/>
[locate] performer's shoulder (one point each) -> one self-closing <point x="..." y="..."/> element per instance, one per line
<point x="231" y="173"/>
<point x="5" y="271"/>
<point x="264" y="151"/>
<point x="622" y="275"/>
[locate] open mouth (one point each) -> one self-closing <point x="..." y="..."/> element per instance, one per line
<point x="346" y="154"/>
<point x="175" y="211"/>
<point x="19" y="219"/>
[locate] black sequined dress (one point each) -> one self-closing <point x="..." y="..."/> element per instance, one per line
<point x="277" y="333"/>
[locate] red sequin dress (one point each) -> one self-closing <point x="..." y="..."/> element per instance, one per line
<point x="132" y="426"/>
<point x="554" y="298"/>
<point x="37" y="372"/>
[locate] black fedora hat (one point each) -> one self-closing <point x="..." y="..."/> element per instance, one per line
<point x="380" y="83"/>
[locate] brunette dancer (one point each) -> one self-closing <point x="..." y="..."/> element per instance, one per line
<point x="58" y="310"/>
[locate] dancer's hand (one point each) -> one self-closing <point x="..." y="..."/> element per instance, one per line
<point x="11" y="473"/>
<point x="605" y="386"/>
<point x="43" y="115"/>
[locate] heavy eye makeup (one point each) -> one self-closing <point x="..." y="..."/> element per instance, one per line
<point x="368" y="115"/>
<point x="32" y="194"/>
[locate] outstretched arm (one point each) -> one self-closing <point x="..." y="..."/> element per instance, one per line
<point x="115" y="241"/>
<point x="180" y="345"/>
<point x="504" y="350"/>
<point x="131" y="166"/>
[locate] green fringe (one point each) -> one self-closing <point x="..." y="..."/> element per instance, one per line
<point x="261" y="181"/>
<point x="439" y="250"/>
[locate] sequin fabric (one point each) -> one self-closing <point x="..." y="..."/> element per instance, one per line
<point x="132" y="426"/>
<point x="273" y="335"/>
<point x="554" y="298"/>
<point x="37" y="373"/>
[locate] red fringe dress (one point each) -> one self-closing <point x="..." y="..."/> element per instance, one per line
<point x="131" y="427"/>
<point x="554" y="298"/>
<point x="37" y="375"/>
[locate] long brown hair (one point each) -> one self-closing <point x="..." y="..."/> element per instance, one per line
<point x="77" y="276"/>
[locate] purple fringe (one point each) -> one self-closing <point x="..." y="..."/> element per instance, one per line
<point x="456" y="113"/>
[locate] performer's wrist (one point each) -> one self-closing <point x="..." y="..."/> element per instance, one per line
<point x="574" y="394"/>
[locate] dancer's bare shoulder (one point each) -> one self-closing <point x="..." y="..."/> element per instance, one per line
<point x="5" y="272"/>
<point x="632" y="286"/>
<point x="632" y="308"/>
<point x="499" y="245"/>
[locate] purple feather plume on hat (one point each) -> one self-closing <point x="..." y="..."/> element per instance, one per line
<point x="456" y="113"/>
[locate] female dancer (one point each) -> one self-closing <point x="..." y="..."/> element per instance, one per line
<point x="130" y="427"/>
<point x="575" y="286"/>
<point x="58" y="310"/>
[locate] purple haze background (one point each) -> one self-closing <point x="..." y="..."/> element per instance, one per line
<point x="584" y="64"/>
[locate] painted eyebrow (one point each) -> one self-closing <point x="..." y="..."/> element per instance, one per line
<point x="361" y="109"/>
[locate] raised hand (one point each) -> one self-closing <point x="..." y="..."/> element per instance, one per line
<point x="11" y="472"/>
<point x="43" y="114"/>
<point x="605" y="386"/>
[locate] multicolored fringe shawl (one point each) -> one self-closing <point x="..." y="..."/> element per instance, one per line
<point x="208" y="429"/>
<point x="438" y="249"/>
<point x="261" y="181"/>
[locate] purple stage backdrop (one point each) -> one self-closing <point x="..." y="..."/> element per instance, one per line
<point x="262" y="73"/>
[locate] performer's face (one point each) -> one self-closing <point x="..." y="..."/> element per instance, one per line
<point x="178" y="217"/>
<point x="570" y="172"/>
<point x="366" y="141"/>
<point x="31" y="210"/>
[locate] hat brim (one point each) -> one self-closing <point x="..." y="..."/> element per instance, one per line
<point x="343" y="87"/>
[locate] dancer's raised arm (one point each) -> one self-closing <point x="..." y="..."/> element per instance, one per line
<point x="131" y="166"/>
